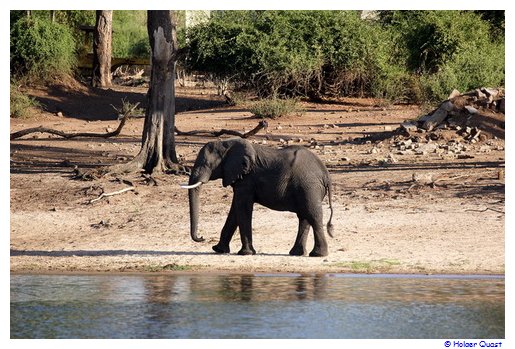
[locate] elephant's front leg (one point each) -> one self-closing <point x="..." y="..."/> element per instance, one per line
<point x="299" y="248"/>
<point x="231" y="223"/>
<point x="244" y="216"/>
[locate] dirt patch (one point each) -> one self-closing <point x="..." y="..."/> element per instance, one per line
<point x="434" y="206"/>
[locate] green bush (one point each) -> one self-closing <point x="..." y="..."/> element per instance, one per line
<point x="404" y="56"/>
<point x="41" y="49"/>
<point x="130" y="37"/>
<point x="449" y="50"/>
<point x="297" y="53"/>
<point x="274" y="107"/>
<point x="20" y="103"/>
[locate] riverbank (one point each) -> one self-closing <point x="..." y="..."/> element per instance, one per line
<point x="396" y="211"/>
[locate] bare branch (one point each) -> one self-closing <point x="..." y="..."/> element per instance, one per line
<point x="67" y="135"/>
<point x="261" y="125"/>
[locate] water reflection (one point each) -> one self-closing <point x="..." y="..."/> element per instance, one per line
<point x="255" y="306"/>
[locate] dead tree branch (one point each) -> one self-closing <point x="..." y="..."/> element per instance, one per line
<point x="261" y="125"/>
<point x="67" y="135"/>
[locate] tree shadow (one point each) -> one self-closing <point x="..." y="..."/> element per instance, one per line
<point x="27" y="158"/>
<point x="93" y="104"/>
<point x="348" y="168"/>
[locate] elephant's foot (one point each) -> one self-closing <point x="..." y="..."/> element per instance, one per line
<point x="247" y="251"/>
<point x="220" y="249"/>
<point x="297" y="251"/>
<point x="318" y="253"/>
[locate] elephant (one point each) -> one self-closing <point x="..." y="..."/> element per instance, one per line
<point x="289" y="179"/>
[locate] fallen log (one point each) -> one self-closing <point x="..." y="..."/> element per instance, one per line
<point x="438" y="116"/>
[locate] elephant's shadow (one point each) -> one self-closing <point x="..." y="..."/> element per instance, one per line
<point x="97" y="253"/>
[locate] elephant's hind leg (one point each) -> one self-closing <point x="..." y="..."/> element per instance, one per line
<point x="299" y="248"/>
<point x="316" y="221"/>
<point x="244" y="217"/>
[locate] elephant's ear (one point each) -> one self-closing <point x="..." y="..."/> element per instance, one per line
<point x="238" y="161"/>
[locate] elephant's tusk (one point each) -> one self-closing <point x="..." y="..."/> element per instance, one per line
<point x="192" y="186"/>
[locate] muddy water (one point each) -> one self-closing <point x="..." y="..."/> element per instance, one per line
<point x="256" y="306"/>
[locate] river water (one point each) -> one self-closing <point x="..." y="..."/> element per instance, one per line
<point x="257" y="306"/>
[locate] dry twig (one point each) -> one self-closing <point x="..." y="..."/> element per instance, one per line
<point x="103" y="195"/>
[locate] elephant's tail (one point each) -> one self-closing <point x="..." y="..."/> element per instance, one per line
<point x="329" y="224"/>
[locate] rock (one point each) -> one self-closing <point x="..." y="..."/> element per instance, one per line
<point x="409" y="126"/>
<point x="480" y="94"/>
<point x="406" y="142"/>
<point x="454" y="93"/>
<point x="465" y="156"/>
<point x="490" y="92"/>
<point x="60" y="114"/>
<point x="428" y="147"/>
<point x="471" y="109"/>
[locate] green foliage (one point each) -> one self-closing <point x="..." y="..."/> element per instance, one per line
<point x="297" y="53"/>
<point x="20" y="103"/>
<point x="450" y="49"/>
<point x="405" y="56"/>
<point x="275" y="107"/>
<point x="130" y="37"/>
<point x="41" y="49"/>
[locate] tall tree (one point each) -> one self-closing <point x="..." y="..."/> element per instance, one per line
<point x="157" y="153"/>
<point x="102" y="47"/>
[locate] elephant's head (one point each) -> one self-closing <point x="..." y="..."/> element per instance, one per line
<point x="229" y="160"/>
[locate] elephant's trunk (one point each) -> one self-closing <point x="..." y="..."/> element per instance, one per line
<point x="194" y="194"/>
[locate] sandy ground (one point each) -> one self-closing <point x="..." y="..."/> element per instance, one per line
<point x="435" y="211"/>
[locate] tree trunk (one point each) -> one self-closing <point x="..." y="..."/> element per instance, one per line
<point x="102" y="39"/>
<point x="157" y="153"/>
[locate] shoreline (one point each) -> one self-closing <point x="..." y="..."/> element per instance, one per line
<point x="271" y="274"/>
